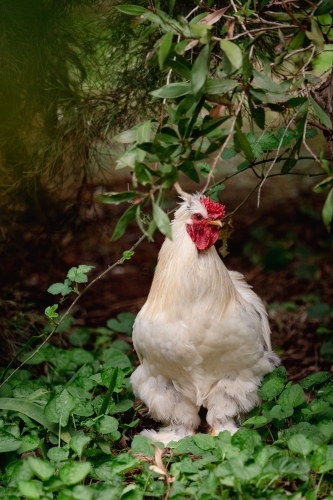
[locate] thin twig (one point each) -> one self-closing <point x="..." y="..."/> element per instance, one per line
<point x="244" y="201"/>
<point x="120" y="261"/>
<point x="275" y="159"/>
<point x="305" y="144"/>
<point x="180" y="191"/>
<point x="309" y="60"/>
<point x="241" y="23"/>
<point x="303" y="49"/>
<point x="224" y="145"/>
<point x="255" y="30"/>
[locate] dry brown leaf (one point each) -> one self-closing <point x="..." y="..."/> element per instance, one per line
<point x="157" y="470"/>
<point x="158" y="459"/>
<point x="217" y="111"/>
<point x="225" y="233"/>
<point x="192" y="44"/>
<point x="208" y="21"/>
<point x="230" y="28"/>
<point x="213" y="17"/>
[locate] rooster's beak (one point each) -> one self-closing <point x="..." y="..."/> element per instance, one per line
<point x="215" y="223"/>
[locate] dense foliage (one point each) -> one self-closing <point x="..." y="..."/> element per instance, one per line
<point x="69" y="424"/>
<point x="248" y="78"/>
<point x="75" y="427"/>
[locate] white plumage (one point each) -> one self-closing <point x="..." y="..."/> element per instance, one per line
<point x="202" y="336"/>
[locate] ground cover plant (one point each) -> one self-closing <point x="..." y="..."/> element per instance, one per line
<point x="69" y="429"/>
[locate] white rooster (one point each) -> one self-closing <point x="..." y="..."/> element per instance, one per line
<point x="202" y="336"/>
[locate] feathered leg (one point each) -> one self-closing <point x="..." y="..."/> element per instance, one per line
<point x="166" y="405"/>
<point x="229" y="400"/>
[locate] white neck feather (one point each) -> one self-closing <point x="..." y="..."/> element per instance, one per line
<point x="187" y="277"/>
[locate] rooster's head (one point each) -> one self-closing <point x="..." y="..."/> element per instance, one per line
<point x="203" y="219"/>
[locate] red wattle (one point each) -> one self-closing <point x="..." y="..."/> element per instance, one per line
<point x="203" y="235"/>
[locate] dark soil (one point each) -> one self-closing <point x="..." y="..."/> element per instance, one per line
<point x="282" y="249"/>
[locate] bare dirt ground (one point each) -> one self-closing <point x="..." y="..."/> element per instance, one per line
<point x="282" y="248"/>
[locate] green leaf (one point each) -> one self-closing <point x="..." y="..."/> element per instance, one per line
<point x="327" y="212"/>
<point x="180" y="68"/>
<point x="58" y="454"/>
<point x="33" y="411"/>
<point x="228" y="154"/>
<point x="50" y="311"/>
<point x="244" y="165"/>
<point x="132" y="10"/>
<point x="233" y="53"/>
<point x="123" y="222"/>
<point x="257" y="421"/>
<point x="42" y="469"/>
<point x="143" y="174"/>
<point x="172" y="90"/>
<point x="8" y="442"/>
<point x="78" y="442"/>
<point x="243" y="144"/>
<point x="112" y="385"/>
<point x="268" y="84"/>
<point x="63" y="288"/>
<point x="116" y="359"/>
<point x="75" y="472"/>
<point x="292" y="396"/>
<point x="272" y="388"/>
<point x="123" y="323"/>
<point x="325" y="7"/>
<point x="204" y="441"/>
<point x="315" y="379"/>
<point x="60" y="407"/>
<point x="278" y="412"/>
<point x="164" y="49"/>
<point x="213" y="192"/>
<point x="200" y="70"/>
<point x="162" y="220"/>
<point x="78" y="274"/>
<point x="116" y="198"/>
<point x="209" y="124"/>
<point x="122" y="406"/>
<point x="246" y="439"/>
<point x="318" y="311"/>
<point x="29" y="442"/>
<point x="320" y="113"/>
<point x="258" y="115"/>
<point x="324" y="61"/>
<point x="298" y="443"/>
<point x="322" y="185"/>
<point x="106" y="424"/>
<point x="293" y="157"/>
<point x="128" y="254"/>
<point x="220" y="86"/>
<point x="142" y="445"/>
<point x="188" y="168"/>
<point x="30" y="489"/>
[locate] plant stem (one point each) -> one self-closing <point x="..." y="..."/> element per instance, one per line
<point x="120" y="261"/>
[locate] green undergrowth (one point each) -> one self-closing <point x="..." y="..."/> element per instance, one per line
<point x="69" y="430"/>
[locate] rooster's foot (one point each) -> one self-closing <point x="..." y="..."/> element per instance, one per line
<point x="231" y="427"/>
<point x="167" y="434"/>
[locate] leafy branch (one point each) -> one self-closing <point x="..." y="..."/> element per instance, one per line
<point x="51" y="310"/>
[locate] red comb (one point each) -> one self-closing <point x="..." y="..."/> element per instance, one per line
<point x="214" y="209"/>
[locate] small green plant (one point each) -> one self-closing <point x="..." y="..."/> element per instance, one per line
<point x="70" y="433"/>
<point x="69" y="424"/>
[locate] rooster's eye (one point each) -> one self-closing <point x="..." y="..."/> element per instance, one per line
<point x="198" y="216"/>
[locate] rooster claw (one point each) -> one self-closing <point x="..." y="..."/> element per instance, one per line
<point x="167" y="434"/>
